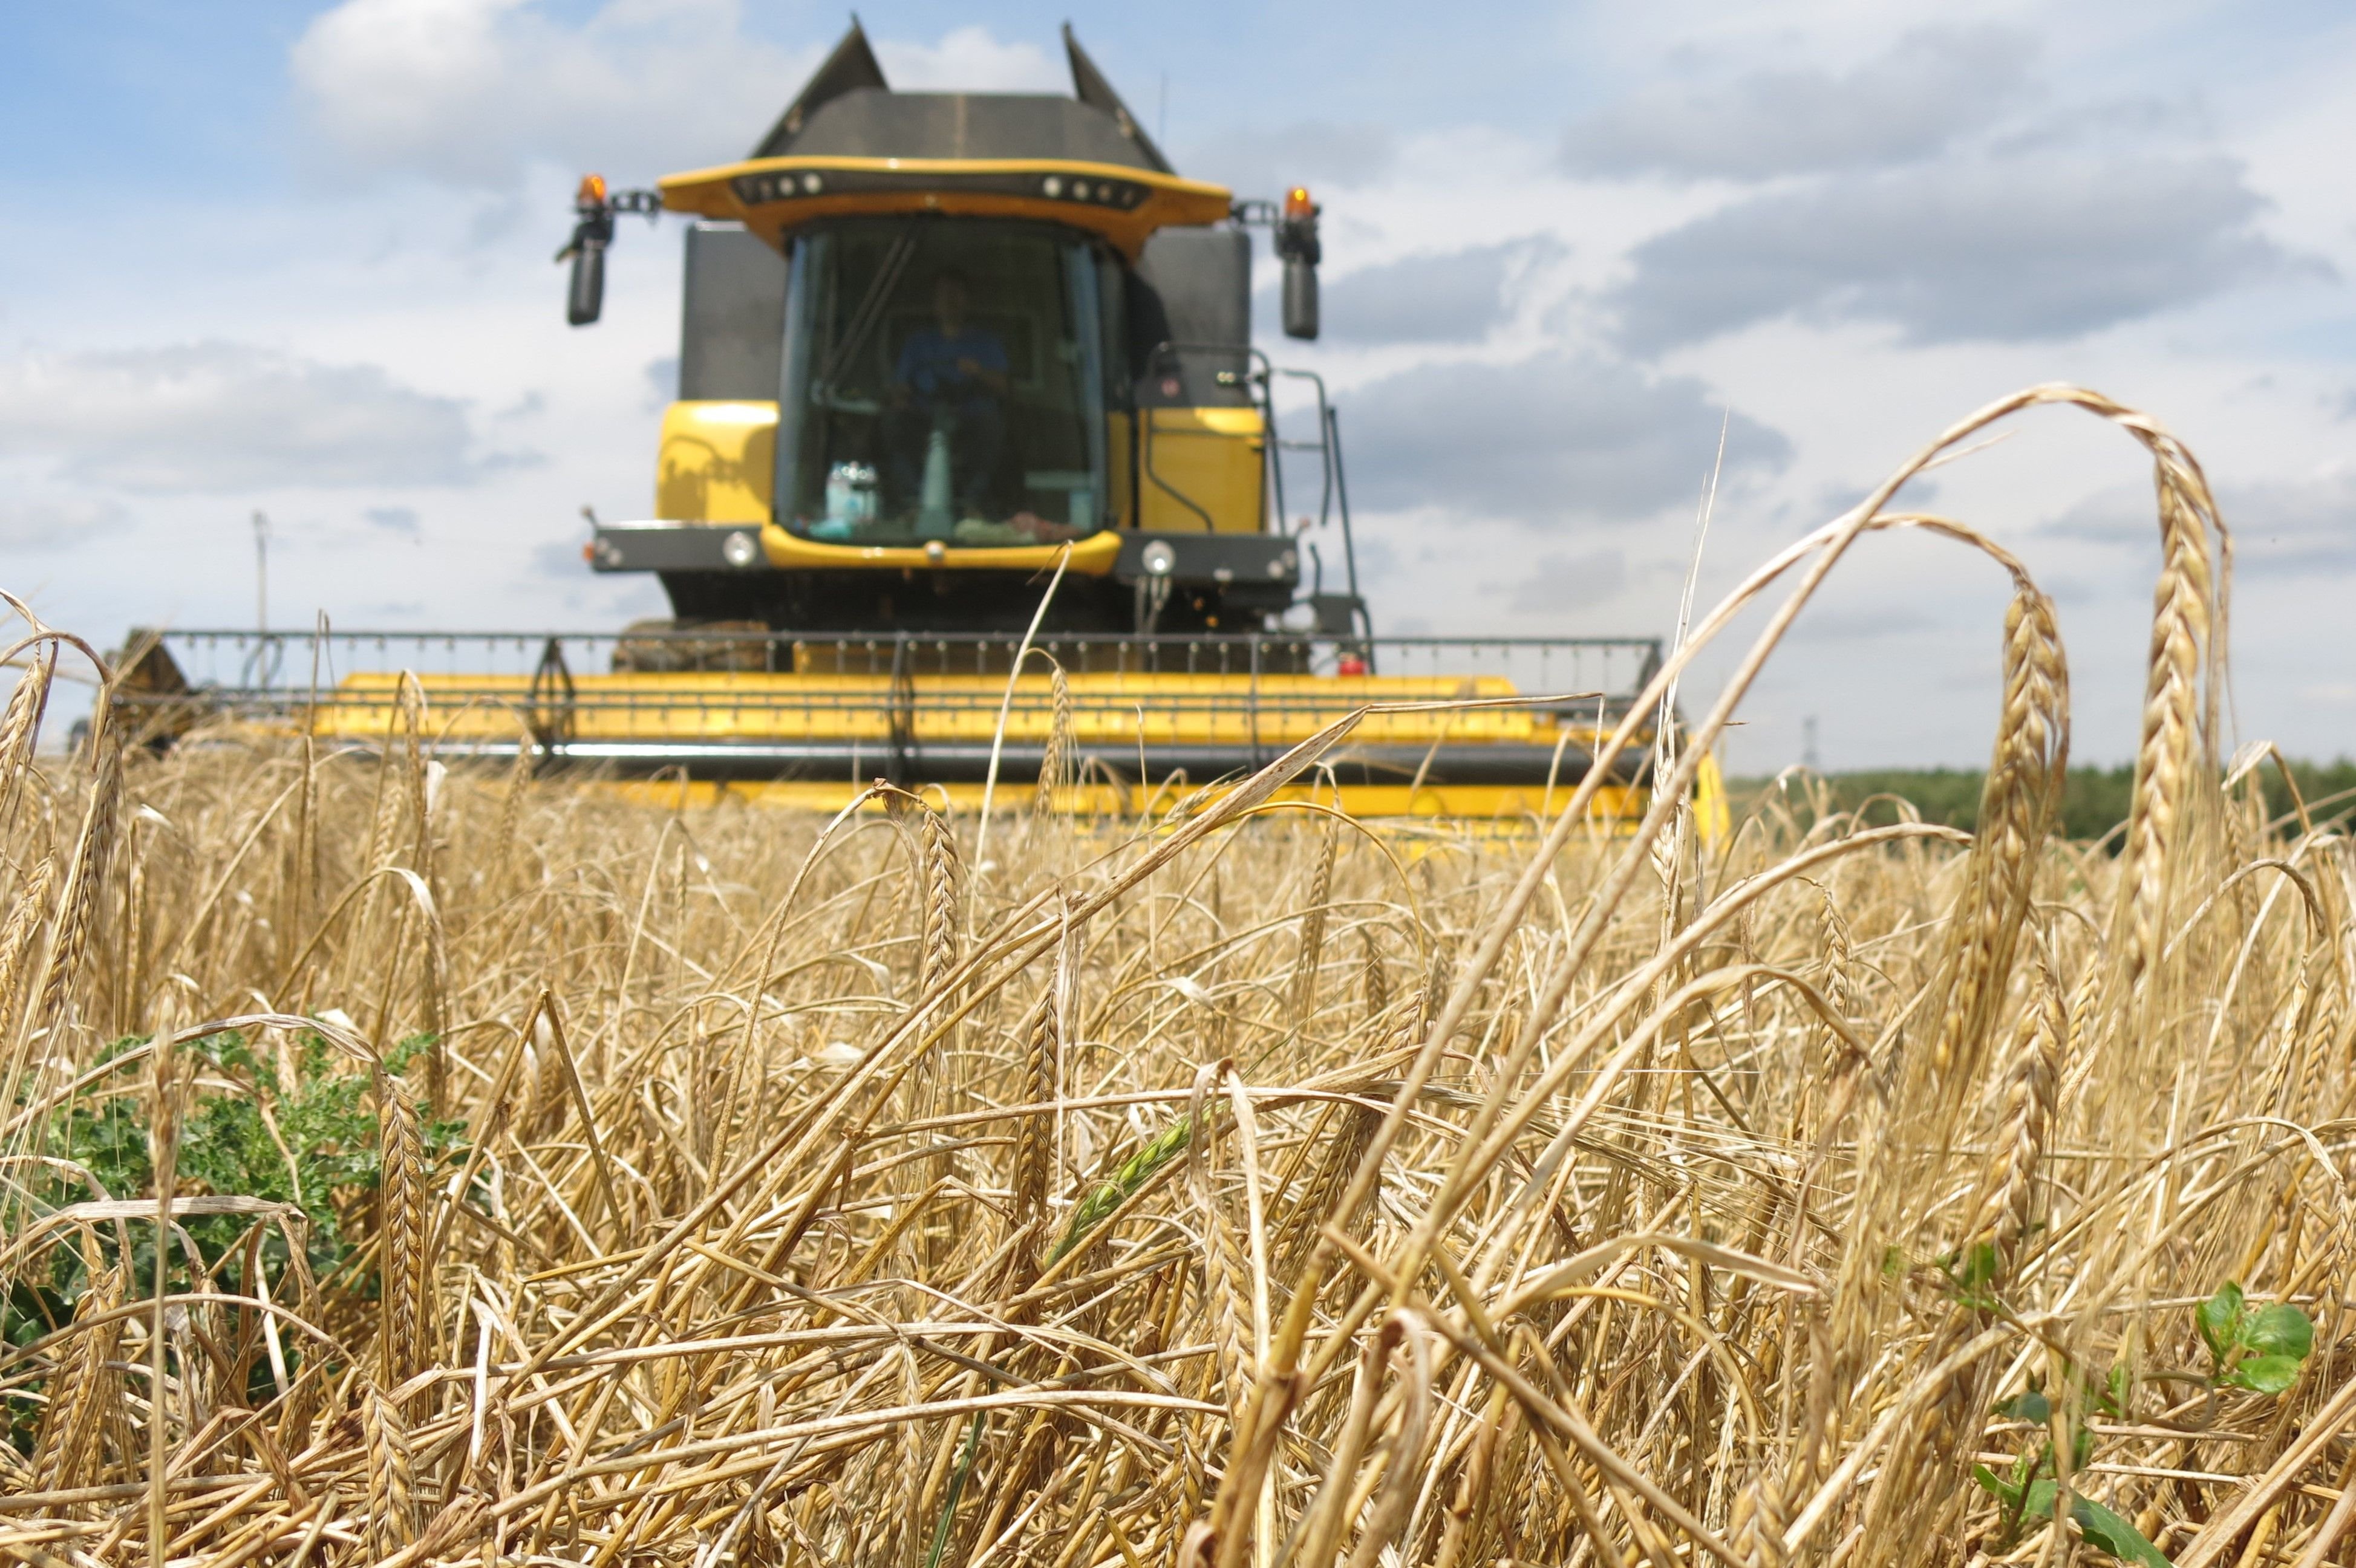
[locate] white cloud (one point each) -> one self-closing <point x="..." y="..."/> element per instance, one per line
<point x="968" y="59"/>
<point x="58" y="522"/>
<point x="471" y="92"/>
<point x="227" y="416"/>
<point x="1258" y="161"/>
<point x="2036" y="245"/>
<point x="1932" y="85"/>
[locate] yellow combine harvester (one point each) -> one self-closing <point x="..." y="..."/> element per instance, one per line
<point x="935" y="347"/>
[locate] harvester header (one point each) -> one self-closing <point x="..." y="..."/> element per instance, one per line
<point x="938" y="351"/>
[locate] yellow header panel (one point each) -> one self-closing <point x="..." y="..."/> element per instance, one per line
<point x="1091" y="557"/>
<point x="774" y="196"/>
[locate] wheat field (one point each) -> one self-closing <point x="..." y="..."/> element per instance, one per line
<point x="550" y="1176"/>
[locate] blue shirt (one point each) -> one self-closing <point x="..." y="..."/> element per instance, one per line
<point x="929" y="360"/>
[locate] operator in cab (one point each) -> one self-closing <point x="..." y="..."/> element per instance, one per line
<point x="950" y="378"/>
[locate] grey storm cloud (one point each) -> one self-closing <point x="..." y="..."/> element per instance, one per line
<point x="1551" y="437"/>
<point x="2281" y="527"/>
<point x="1454" y="297"/>
<point x="1267" y="162"/>
<point x="227" y="416"/>
<point x="1931" y="86"/>
<point x="2008" y="249"/>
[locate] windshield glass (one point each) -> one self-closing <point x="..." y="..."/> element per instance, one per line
<point x="944" y="383"/>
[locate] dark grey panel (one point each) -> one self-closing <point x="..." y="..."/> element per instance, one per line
<point x="734" y="315"/>
<point x="868" y="122"/>
<point x="851" y="66"/>
<point x="1191" y="287"/>
<point x="1089" y="86"/>
<point x="1197" y="558"/>
<point x="673" y="547"/>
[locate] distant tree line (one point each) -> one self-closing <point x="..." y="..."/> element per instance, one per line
<point x="2094" y="801"/>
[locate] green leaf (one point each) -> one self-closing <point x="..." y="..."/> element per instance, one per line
<point x="1996" y="1487"/>
<point x="2281" y="1330"/>
<point x="2113" y="1399"/>
<point x="2263" y="1374"/>
<point x="2220" y="1319"/>
<point x="2114" y="1535"/>
<point x="2031" y="1406"/>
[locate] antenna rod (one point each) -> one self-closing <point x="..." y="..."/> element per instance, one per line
<point x="261" y="573"/>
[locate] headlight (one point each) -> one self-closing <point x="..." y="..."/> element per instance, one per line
<point x="740" y="549"/>
<point x="1159" y="559"/>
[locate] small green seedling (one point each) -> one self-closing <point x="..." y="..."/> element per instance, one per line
<point x="2257" y="1349"/>
<point x="1971" y="1276"/>
<point x="2027" y="1492"/>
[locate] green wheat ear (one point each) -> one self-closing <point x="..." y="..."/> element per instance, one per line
<point x="1107" y="1196"/>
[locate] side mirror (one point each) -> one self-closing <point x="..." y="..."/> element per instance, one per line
<point x="1300" y="299"/>
<point x="585" y="300"/>
<point x="1297" y="246"/>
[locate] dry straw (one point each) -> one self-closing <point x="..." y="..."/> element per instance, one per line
<point x="1234" y="1184"/>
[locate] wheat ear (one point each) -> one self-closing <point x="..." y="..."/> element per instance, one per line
<point x="20" y="727"/>
<point x="392" y="1477"/>
<point x="1056" y="756"/>
<point x="2186" y="607"/>
<point x="1034" y="1136"/>
<point x="1312" y="932"/>
<point x="2017" y="803"/>
<point x="68" y="1451"/>
<point x="78" y="912"/>
<point x="25" y="918"/>
<point x="406" y="1333"/>
<point x="943" y="878"/>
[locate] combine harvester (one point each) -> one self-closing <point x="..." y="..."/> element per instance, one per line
<point x="934" y="348"/>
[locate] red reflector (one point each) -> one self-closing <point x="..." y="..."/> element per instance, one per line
<point x="1350" y="664"/>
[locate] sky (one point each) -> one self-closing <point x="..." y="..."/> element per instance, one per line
<point x="293" y="258"/>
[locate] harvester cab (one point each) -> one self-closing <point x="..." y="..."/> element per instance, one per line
<point x="974" y="472"/>
<point x="930" y="340"/>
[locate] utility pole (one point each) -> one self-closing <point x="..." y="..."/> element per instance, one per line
<point x="261" y="573"/>
<point x="1808" y="758"/>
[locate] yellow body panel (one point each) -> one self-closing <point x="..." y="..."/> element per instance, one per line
<point x="1091" y="557"/>
<point x="1514" y="807"/>
<point x="718" y="463"/>
<point x="1213" y="457"/>
<point x="1169" y="200"/>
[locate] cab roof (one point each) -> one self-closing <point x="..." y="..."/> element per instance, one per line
<point x="848" y="145"/>
<point x="846" y="110"/>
